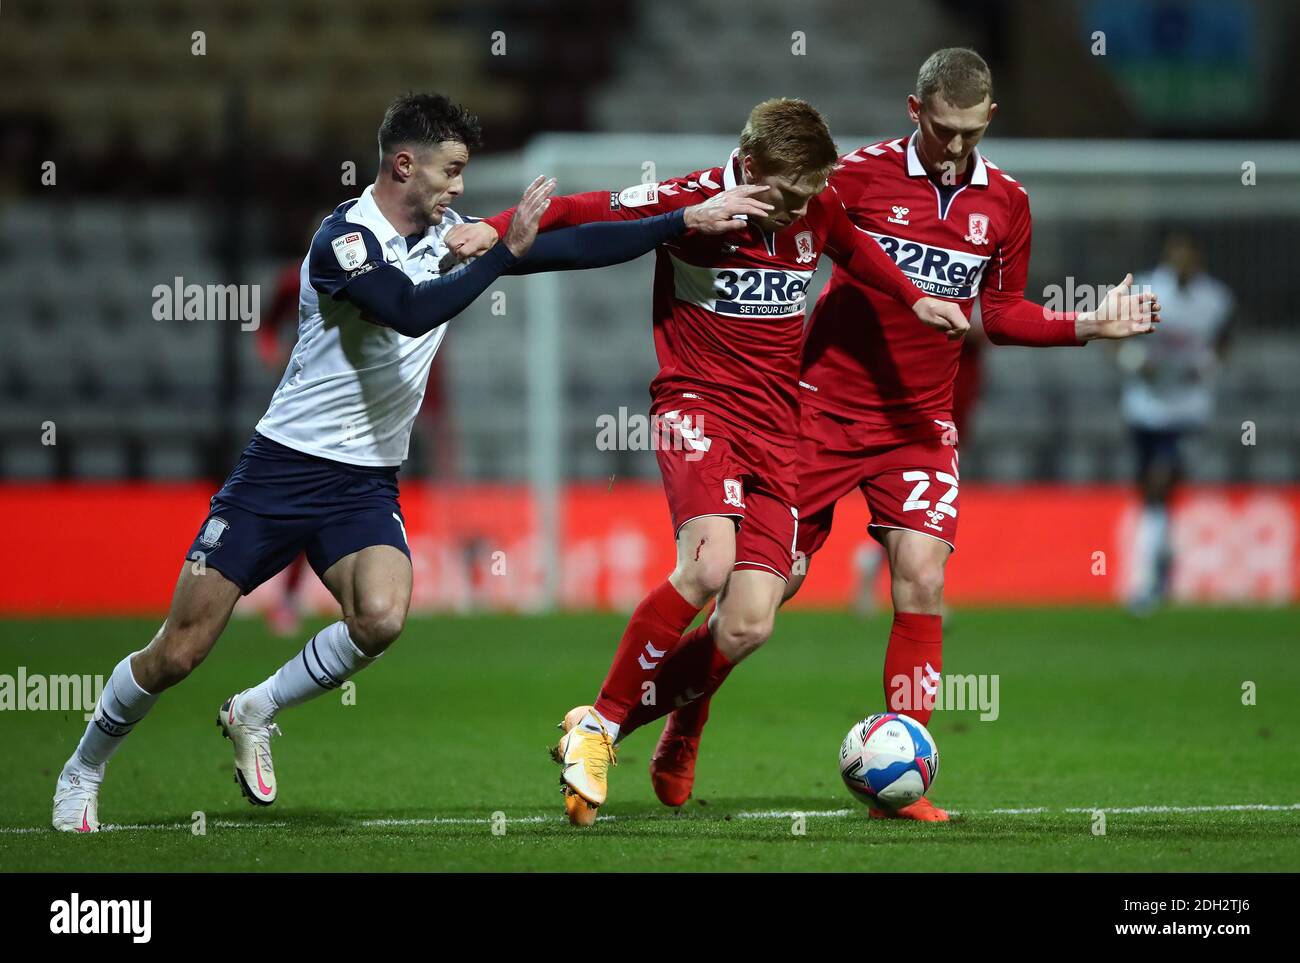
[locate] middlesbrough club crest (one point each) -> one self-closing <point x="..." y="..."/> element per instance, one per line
<point x="803" y="243"/>
<point x="732" y="493"/>
<point x="977" y="227"/>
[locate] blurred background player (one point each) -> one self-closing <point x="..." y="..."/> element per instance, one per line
<point x="1168" y="394"/>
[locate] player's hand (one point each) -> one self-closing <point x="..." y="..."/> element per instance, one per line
<point x="725" y="212"/>
<point x="1121" y="314"/>
<point x="470" y="240"/>
<point x="523" y="226"/>
<point x="942" y="316"/>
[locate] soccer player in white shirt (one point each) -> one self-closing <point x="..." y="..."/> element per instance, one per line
<point x="1169" y="393"/>
<point x="320" y="473"/>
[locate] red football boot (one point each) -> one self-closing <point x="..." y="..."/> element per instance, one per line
<point x="922" y="811"/>
<point x="672" y="767"/>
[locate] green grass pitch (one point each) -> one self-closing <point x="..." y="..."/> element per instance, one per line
<point x="1096" y="710"/>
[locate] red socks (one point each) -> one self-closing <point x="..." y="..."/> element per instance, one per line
<point x="652" y="633"/>
<point x="689" y="677"/>
<point x="913" y="662"/>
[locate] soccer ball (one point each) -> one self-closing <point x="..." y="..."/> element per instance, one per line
<point x="888" y="760"/>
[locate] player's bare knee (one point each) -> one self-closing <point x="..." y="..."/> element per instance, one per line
<point x="376" y="624"/>
<point x="171" y="657"/>
<point x="919" y="586"/>
<point x="700" y="578"/>
<point x="740" y="636"/>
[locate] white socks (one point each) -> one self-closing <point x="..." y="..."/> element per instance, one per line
<point x="593" y="720"/>
<point x="328" y="659"/>
<point x="1150" y="551"/>
<point x="324" y="663"/>
<point x="121" y="705"/>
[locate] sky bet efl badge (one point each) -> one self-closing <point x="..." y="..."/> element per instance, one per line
<point x="350" y="249"/>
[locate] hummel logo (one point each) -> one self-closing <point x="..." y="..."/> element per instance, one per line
<point x="930" y="683"/>
<point x="654" y="654"/>
<point x="899" y="216"/>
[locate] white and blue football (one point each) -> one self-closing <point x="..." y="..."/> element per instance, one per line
<point x="889" y="760"/>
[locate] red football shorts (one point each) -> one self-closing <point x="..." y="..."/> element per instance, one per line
<point x="714" y="469"/>
<point x="909" y="484"/>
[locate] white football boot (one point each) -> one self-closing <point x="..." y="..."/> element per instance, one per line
<point x="253" y="768"/>
<point x="76" y="797"/>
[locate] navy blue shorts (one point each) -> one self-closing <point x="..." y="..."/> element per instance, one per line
<point x="279" y="502"/>
<point x="1162" y="446"/>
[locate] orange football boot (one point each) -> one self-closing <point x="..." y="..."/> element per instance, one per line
<point x="922" y="811"/>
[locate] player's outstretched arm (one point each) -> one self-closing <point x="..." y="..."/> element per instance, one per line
<point x="1010" y="318"/>
<point x="599" y="244"/>
<point x="1017" y="321"/>
<point x="718" y="214"/>
<point x="388" y="297"/>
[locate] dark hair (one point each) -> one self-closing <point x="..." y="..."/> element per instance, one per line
<point x="426" y="120"/>
<point x="959" y="74"/>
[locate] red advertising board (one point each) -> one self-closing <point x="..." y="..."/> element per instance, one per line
<point x="101" y="549"/>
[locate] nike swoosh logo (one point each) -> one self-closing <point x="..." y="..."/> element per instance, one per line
<point x="261" y="786"/>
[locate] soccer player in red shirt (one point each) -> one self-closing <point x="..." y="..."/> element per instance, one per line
<point x="877" y="389"/>
<point x="728" y="324"/>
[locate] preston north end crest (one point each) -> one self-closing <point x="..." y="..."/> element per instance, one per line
<point x="213" y="530"/>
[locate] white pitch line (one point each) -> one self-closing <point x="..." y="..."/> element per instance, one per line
<point x="757" y="814"/>
<point x="153" y="827"/>
<point x="457" y="821"/>
<point x="1240" y="808"/>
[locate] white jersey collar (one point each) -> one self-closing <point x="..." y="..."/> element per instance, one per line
<point x="386" y="234"/>
<point x="729" y="170"/>
<point x="979" y="177"/>
<point x="369" y="211"/>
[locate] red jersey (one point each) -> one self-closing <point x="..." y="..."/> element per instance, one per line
<point x="867" y="359"/>
<point x="729" y="309"/>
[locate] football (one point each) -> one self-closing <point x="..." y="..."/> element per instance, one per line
<point x="888" y="760"/>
